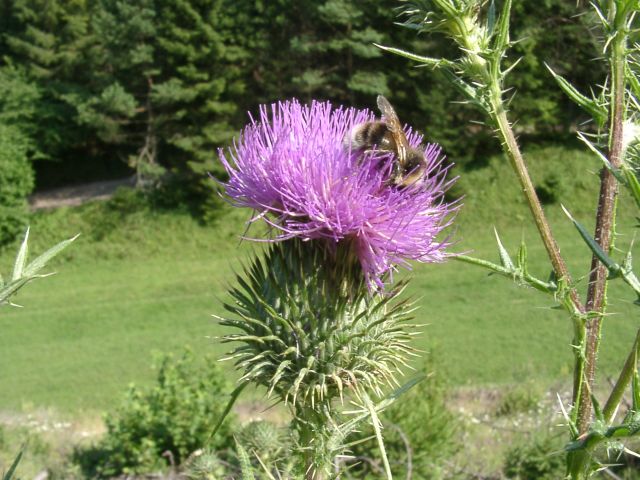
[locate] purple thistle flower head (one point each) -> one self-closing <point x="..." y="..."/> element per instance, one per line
<point x="294" y="168"/>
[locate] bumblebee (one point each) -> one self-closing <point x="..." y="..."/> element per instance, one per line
<point x="387" y="135"/>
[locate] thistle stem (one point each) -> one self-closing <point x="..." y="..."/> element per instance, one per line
<point x="511" y="148"/>
<point x="623" y="381"/>
<point x="605" y="219"/>
<point x="313" y="433"/>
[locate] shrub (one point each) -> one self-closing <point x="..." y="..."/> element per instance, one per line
<point x="106" y="218"/>
<point x="205" y="465"/>
<point x="552" y="189"/>
<point x="419" y="424"/>
<point x="267" y="439"/>
<point x="539" y="458"/>
<point x="177" y="415"/>
<point x="519" y="399"/>
<point x="16" y="182"/>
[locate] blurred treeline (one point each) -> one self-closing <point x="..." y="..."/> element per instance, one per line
<point x="92" y="89"/>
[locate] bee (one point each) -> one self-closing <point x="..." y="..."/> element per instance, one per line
<point x="387" y="135"/>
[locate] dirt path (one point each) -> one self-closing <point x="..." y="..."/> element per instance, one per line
<point x="78" y="194"/>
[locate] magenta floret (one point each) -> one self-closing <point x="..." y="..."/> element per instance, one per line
<point x="293" y="168"/>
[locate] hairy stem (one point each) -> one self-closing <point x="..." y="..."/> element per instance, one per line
<point x="623" y="381"/>
<point x="605" y="219"/>
<point x="512" y="150"/>
<point x="313" y="433"/>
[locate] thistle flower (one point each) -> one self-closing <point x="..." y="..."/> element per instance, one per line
<point x="292" y="167"/>
<point x="310" y="330"/>
<point x="310" y="321"/>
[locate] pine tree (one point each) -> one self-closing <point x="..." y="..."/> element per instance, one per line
<point x="167" y="77"/>
<point x="198" y="81"/>
<point x="48" y="39"/>
<point x="124" y="69"/>
<point x="553" y="32"/>
<point x="336" y="47"/>
<point x="19" y="105"/>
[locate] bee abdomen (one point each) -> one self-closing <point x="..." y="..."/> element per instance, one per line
<point x="369" y="135"/>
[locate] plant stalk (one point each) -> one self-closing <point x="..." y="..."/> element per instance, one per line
<point x="312" y="434"/>
<point x="623" y="381"/>
<point x="605" y="220"/>
<point x="514" y="155"/>
<point x="512" y="150"/>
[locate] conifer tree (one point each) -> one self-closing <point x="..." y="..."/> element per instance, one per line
<point x="335" y="44"/>
<point x="170" y="82"/>
<point x="166" y="82"/>
<point x="124" y="55"/>
<point x="48" y="39"/>
<point x="199" y="80"/>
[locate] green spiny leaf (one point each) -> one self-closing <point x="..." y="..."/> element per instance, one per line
<point x="21" y="258"/>
<point x="377" y="426"/>
<point x="627" y="375"/>
<point x="631" y="181"/>
<point x="595" y="150"/>
<point x="491" y="17"/>
<point x="14" y="465"/>
<point x="522" y="258"/>
<point x="426" y="61"/>
<point x="627" y="263"/>
<point x="632" y="80"/>
<point x="597" y="410"/>
<point x="279" y="372"/>
<point x="245" y="462"/>
<point x="472" y="94"/>
<point x="502" y="37"/>
<point x="635" y="391"/>
<point x="35" y="266"/>
<point x="505" y="259"/>
<point x="591" y="106"/>
<point x="232" y="400"/>
<point x="607" y="261"/>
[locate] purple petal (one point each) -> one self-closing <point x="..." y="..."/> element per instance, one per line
<point x="292" y="163"/>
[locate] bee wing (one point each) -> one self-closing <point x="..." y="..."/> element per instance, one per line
<point x="395" y="127"/>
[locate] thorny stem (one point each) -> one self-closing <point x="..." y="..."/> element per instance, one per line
<point x="586" y="327"/>
<point x="623" y="381"/>
<point x="313" y="433"/>
<point x="487" y="72"/>
<point x="577" y="309"/>
<point x="605" y="219"/>
<point x="517" y="162"/>
<point x="559" y="266"/>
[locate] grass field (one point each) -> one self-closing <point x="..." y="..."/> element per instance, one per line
<point x="140" y="281"/>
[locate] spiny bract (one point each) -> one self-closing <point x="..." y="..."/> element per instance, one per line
<point x="311" y="329"/>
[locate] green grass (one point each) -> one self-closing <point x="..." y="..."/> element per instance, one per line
<point x="140" y="280"/>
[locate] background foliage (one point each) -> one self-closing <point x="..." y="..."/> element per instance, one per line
<point x="16" y="181"/>
<point x="94" y="89"/>
<point x="165" y="424"/>
<point x="99" y="88"/>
